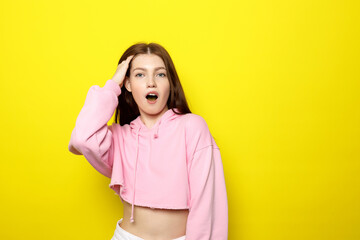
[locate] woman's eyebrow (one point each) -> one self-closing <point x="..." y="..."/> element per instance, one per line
<point x="145" y="69"/>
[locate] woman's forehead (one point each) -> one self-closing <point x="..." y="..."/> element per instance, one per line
<point x="147" y="61"/>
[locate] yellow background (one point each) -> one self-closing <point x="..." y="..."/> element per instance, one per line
<point x="277" y="82"/>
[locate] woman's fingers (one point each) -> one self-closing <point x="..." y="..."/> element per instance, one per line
<point x="126" y="61"/>
<point x="121" y="70"/>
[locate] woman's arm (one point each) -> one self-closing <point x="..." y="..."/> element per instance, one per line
<point x="208" y="213"/>
<point x="92" y="137"/>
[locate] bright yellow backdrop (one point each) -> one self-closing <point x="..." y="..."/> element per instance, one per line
<point x="277" y="82"/>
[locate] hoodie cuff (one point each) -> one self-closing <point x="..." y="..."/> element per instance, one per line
<point x="112" y="85"/>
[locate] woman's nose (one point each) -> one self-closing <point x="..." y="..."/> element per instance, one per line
<point x="151" y="82"/>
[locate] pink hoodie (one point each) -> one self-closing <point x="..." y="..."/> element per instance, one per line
<point x="176" y="164"/>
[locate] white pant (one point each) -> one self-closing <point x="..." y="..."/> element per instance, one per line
<point x="121" y="234"/>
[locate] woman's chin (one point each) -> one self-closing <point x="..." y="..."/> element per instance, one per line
<point x="153" y="110"/>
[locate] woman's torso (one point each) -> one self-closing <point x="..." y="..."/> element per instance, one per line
<point x="154" y="223"/>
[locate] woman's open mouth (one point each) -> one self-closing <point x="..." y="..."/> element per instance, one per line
<point x="151" y="98"/>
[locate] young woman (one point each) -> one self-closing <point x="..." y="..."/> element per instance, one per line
<point x="162" y="159"/>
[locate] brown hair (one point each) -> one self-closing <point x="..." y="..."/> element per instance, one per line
<point x="127" y="109"/>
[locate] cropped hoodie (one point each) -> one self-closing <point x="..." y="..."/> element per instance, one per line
<point x="175" y="164"/>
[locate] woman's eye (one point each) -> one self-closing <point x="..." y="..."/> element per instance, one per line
<point x="138" y="74"/>
<point x="162" y="74"/>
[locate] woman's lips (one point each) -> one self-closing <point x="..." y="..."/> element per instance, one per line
<point x="153" y="92"/>
<point x="151" y="101"/>
<point x="152" y="97"/>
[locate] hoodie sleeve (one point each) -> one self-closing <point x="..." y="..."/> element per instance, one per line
<point x="208" y="213"/>
<point x="91" y="136"/>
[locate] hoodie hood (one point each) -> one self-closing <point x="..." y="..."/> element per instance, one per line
<point x="141" y="129"/>
<point x="138" y="125"/>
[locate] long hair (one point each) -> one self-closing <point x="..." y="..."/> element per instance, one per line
<point x="127" y="109"/>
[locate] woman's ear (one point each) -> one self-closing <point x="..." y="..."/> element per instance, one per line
<point x="127" y="84"/>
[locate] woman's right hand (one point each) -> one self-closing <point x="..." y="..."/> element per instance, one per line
<point x="119" y="75"/>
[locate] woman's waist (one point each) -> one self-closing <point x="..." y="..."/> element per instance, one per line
<point x="154" y="222"/>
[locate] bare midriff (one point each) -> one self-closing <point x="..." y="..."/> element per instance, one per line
<point x="155" y="223"/>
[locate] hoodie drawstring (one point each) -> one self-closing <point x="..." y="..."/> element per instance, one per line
<point x="137" y="155"/>
<point x="156" y="135"/>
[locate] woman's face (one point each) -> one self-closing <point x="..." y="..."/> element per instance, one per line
<point x="148" y="74"/>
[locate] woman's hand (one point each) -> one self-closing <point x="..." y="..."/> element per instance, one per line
<point x="119" y="75"/>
